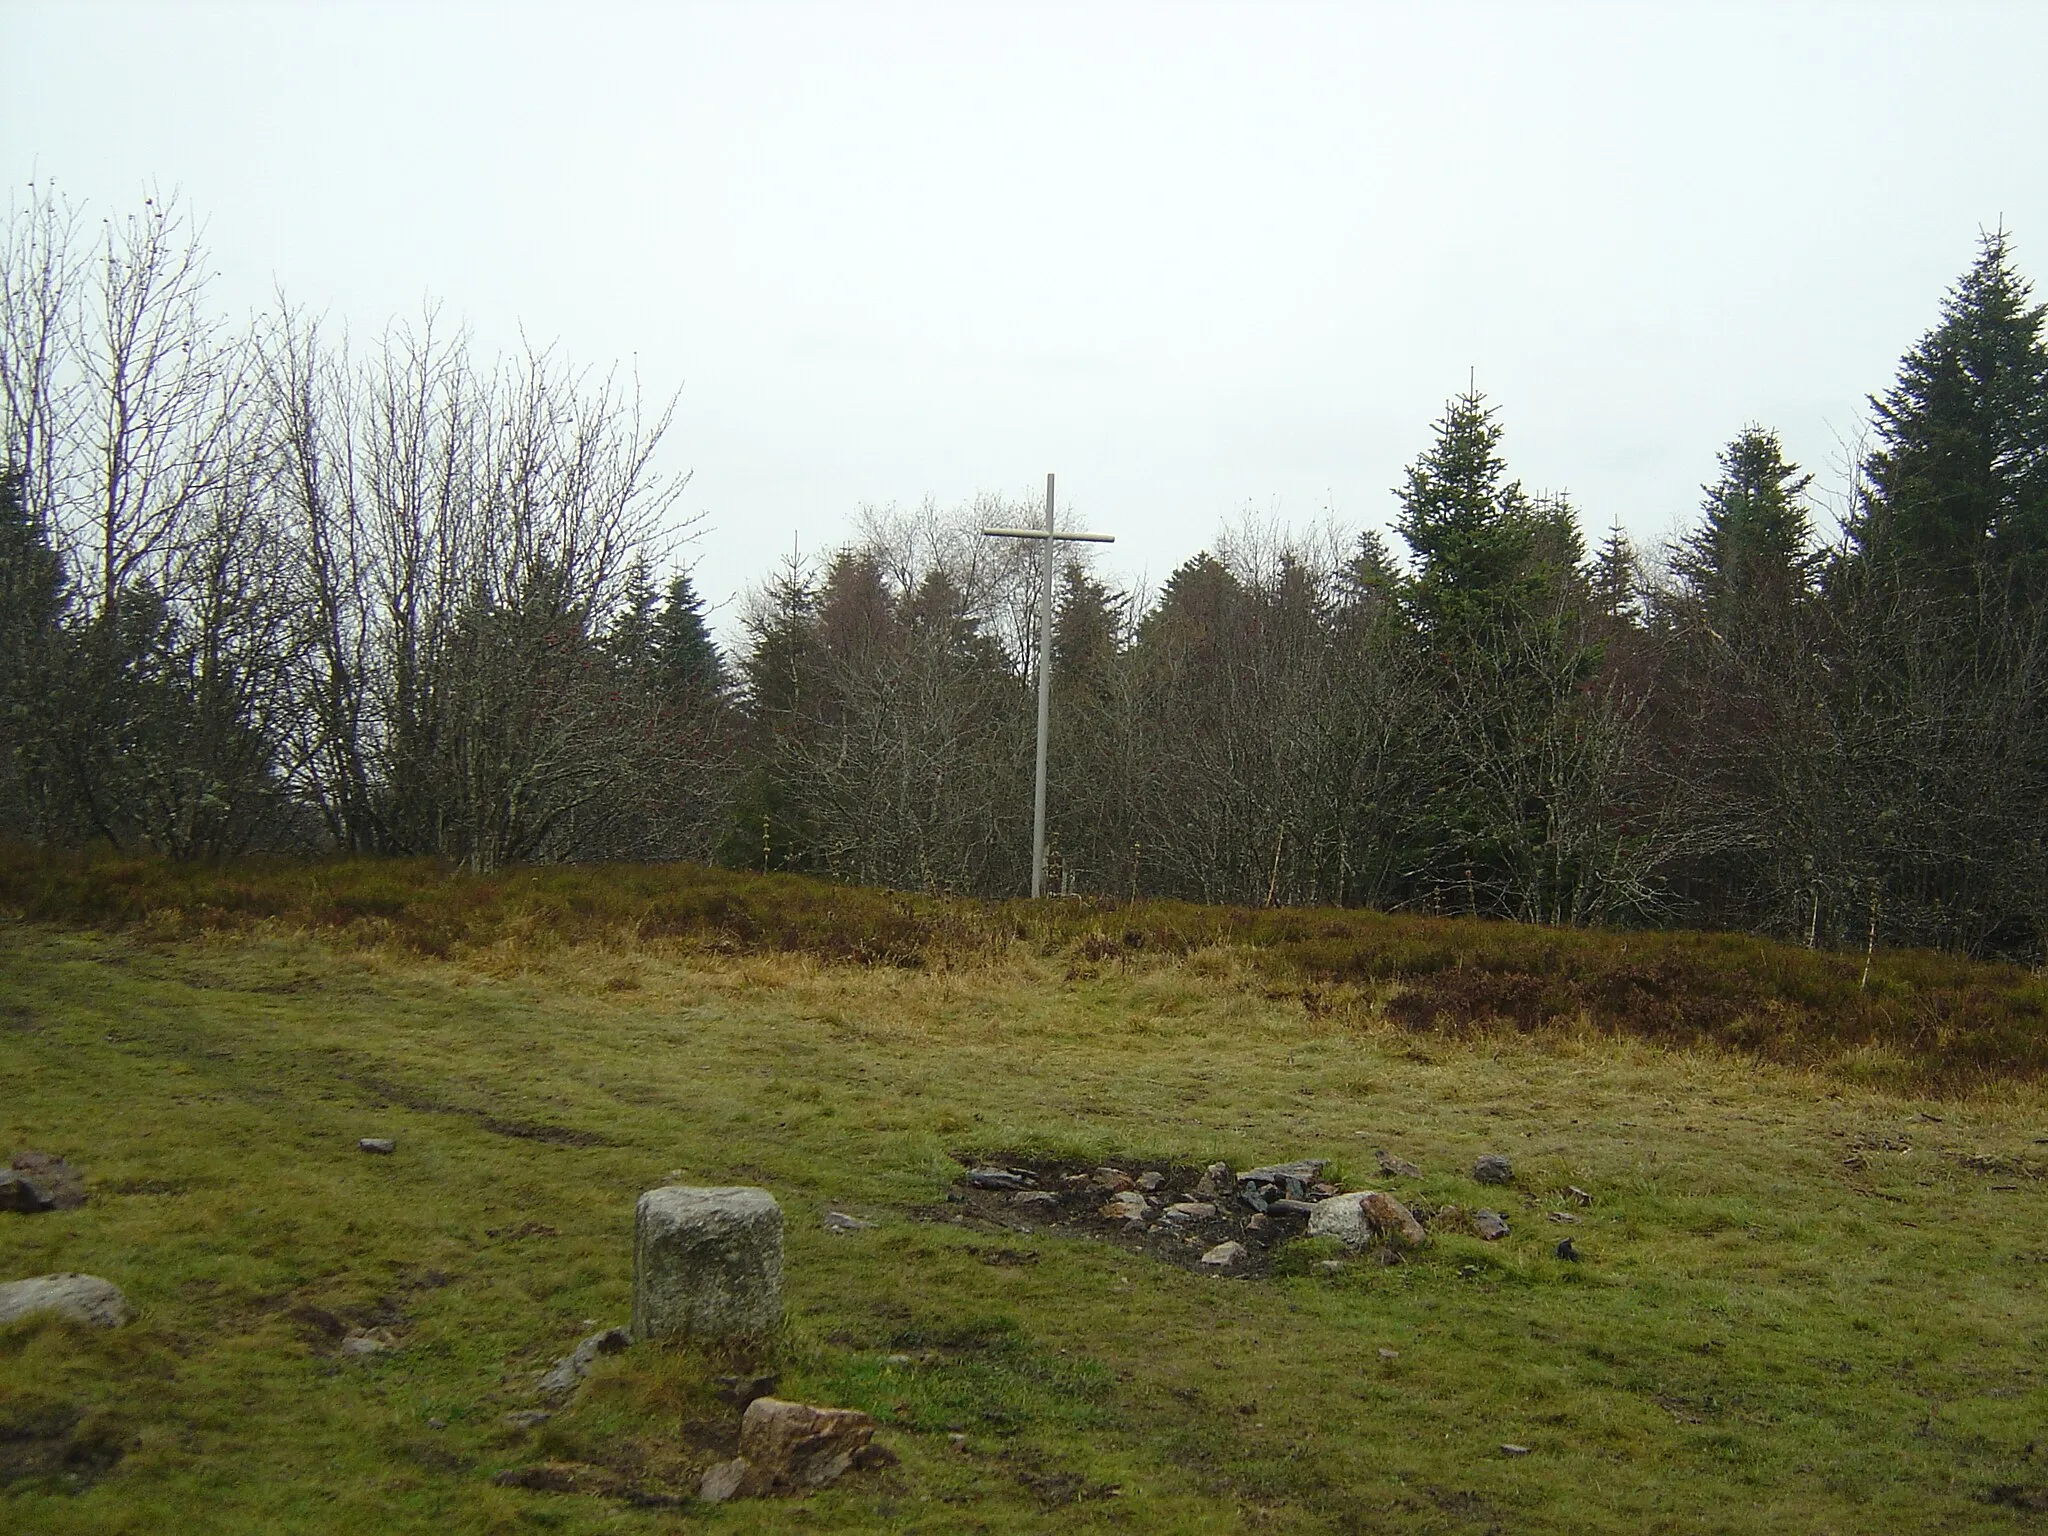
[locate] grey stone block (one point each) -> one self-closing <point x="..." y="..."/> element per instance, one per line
<point x="707" y="1263"/>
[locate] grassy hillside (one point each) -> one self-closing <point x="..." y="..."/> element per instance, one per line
<point x="1910" y="1015"/>
<point x="1810" y="1295"/>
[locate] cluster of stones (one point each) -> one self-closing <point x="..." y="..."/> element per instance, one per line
<point x="1267" y="1203"/>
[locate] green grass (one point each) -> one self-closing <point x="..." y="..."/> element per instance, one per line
<point x="1811" y="1298"/>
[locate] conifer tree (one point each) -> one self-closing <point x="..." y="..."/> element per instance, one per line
<point x="686" y="658"/>
<point x="631" y="640"/>
<point x="1616" y="581"/>
<point x="1470" y="527"/>
<point x="1757" y="536"/>
<point x="1368" y="583"/>
<point x="1084" y="635"/>
<point x="1959" y="482"/>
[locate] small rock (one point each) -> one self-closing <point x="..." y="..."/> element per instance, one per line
<point x="896" y="1360"/>
<point x="437" y="1423"/>
<point x="839" y="1221"/>
<point x="1254" y="1197"/>
<point x="1128" y="1205"/>
<point x="382" y="1145"/>
<point x="1151" y="1180"/>
<point x="1215" y="1182"/>
<point x="957" y="1440"/>
<point x="1390" y="1354"/>
<point x="740" y="1391"/>
<point x="528" y="1418"/>
<point x="1330" y="1266"/>
<point x="1260" y="1223"/>
<point x="60" y="1183"/>
<point x="1304" y="1172"/>
<point x="568" y="1372"/>
<point x="1489" y="1225"/>
<point x="22" y="1194"/>
<point x="1579" y="1196"/>
<point x="1191" y="1210"/>
<point x="871" y="1457"/>
<point x="1322" y="1191"/>
<point x="1567" y="1252"/>
<point x="1291" y="1206"/>
<point x="1393" y="1167"/>
<point x="1563" y="1216"/>
<point x="723" y="1481"/>
<point x="997" y="1178"/>
<point x="1223" y="1255"/>
<point x="1113" y="1181"/>
<point x="1514" y="1450"/>
<point x="82" y="1298"/>
<point x="1034" y="1197"/>
<point x="368" y="1341"/>
<point x="1493" y="1169"/>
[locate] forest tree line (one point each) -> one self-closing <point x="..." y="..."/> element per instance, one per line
<point x="262" y="588"/>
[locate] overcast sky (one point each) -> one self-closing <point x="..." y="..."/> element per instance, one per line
<point x="1199" y="259"/>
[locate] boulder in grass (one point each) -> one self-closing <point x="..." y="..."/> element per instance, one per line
<point x="791" y="1448"/>
<point x="23" y="1195"/>
<point x="82" y="1298"/>
<point x="1493" y="1169"/>
<point x="1366" y="1216"/>
<point x="1393" y="1220"/>
<point x="41" y="1181"/>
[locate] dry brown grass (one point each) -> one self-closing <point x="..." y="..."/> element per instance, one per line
<point x="1917" y="1016"/>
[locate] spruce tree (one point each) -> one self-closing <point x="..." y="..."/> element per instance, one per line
<point x="1757" y="535"/>
<point x="1616" y="583"/>
<point x="631" y="640"/>
<point x="1084" y="629"/>
<point x="686" y="658"/>
<point x="1471" y="528"/>
<point x="1959" y="483"/>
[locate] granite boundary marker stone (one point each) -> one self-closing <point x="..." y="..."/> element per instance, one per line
<point x="707" y="1263"/>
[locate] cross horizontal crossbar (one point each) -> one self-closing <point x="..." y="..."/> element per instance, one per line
<point x="1040" y="533"/>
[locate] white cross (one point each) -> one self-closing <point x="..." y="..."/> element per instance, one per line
<point x="1044" y="666"/>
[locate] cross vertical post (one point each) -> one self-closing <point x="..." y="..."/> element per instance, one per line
<point x="1044" y="703"/>
<point x="1050" y="537"/>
